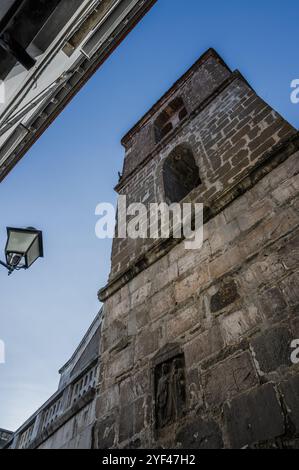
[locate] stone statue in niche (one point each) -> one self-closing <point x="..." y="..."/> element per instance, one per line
<point x="170" y="391"/>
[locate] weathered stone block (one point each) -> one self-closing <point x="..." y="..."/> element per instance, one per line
<point x="122" y="308"/>
<point x="237" y="324"/>
<point x="268" y="270"/>
<point x="238" y="207"/>
<point x="269" y="230"/>
<point x="254" y="214"/>
<point x="134" y="444"/>
<point x="285" y="192"/>
<point x="147" y="343"/>
<point x="176" y="253"/>
<point x="194" y="389"/>
<point x="290" y="391"/>
<point x="107" y="401"/>
<point x="126" y="423"/>
<point x="285" y="171"/>
<point x="139" y="318"/>
<point x="121" y="362"/>
<point x="139" y="415"/>
<point x="187" y="262"/>
<point x="224" y="235"/>
<point x="194" y="259"/>
<point x="141" y="294"/>
<point x="205" y="345"/>
<point x="224" y="263"/>
<point x="186" y="288"/>
<point x="290" y="288"/>
<point x="203" y="275"/>
<point x="200" y="434"/>
<point x="115" y="335"/>
<point x="272" y="349"/>
<point x="164" y="278"/>
<point x="162" y="302"/>
<point x="127" y="391"/>
<point x="254" y="417"/>
<point x="105" y="433"/>
<point x="181" y="322"/>
<point x="296" y="327"/>
<point x="282" y="223"/>
<point x="227" y="294"/>
<point x="273" y="303"/>
<point x="233" y="376"/>
<point x="289" y="253"/>
<point x="142" y="382"/>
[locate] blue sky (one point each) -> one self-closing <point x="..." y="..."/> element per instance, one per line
<point x="45" y="311"/>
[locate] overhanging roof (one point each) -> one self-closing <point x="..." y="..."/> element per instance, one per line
<point x="47" y="53"/>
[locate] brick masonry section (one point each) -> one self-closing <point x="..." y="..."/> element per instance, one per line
<point x="218" y="322"/>
<point x="228" y="135"/>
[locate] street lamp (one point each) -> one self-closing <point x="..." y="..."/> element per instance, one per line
<point x="23" y="248"/>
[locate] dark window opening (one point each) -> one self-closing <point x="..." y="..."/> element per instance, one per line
<point x="180" y="174"/>
<point x="165" y="130"/>
<point x="183" y="113"/>
<point x="169" y="118"/>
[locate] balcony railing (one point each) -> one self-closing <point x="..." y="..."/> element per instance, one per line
<point x="52" y="413"/>
<point x="84" y="384"/>
<point x="26" y="437"/>
<point x="58" y="407"/>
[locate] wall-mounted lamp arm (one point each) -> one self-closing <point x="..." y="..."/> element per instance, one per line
<point x="4" y="265"/>
<point x="11" y="269"/>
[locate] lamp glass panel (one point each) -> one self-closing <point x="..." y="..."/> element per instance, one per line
<point x="19" y="242"/>
<point x="33" y="253"/>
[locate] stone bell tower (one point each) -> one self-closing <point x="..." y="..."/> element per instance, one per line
<point x="197" y="345"/>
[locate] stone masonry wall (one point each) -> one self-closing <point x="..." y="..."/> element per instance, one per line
<point x="230" y="312"/>
<point x="196" y="345"/>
